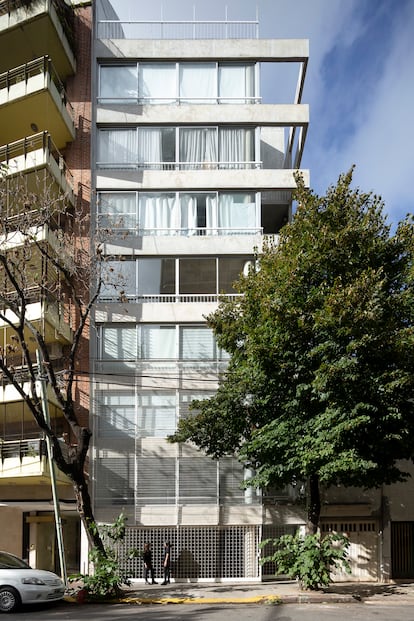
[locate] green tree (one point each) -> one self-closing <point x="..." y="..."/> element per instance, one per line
<point x="319" y="386"/>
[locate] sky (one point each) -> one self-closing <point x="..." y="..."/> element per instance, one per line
<point x="359" y="84"/>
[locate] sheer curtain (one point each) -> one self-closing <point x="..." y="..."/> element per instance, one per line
<point x="198" y="146"/>
<point x="197" y="343"/>
<point x="118" y="83"/>
<point x="150" y="147"/>
<point x="211" y="215"/>
<point x="198" y="82"/>
<point x="117" y="147"/>
<point x="157" y="83"/>
<point x="236" y="83"/>
<point x="236" y="213"/>
<point x="188" y="214"/>
<point x="158" y="214"/>
<point x="117" y="210"/>
<point x="236" y="145"/>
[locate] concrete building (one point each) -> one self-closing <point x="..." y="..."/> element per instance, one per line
<point x="191" y="169"/>
<point x="44" y="79"/>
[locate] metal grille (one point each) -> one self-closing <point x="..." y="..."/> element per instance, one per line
<point x="402" y="550"/>
<point x="202" y="553"/>
<point x="273" y="532"/>
<point x="349" y="527"/>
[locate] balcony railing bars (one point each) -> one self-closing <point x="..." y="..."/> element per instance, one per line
<point x="22" y="448"/>
<point x="121" y="229"/>
<point x="179" y="100"/>
<point x="180" y="165"/>
<point x="26" y="146"/>
<point x="196" y="298"/>
<point x="32" y="447"/>
<point x="159" y="29"/>
<point x="40" y="66"/>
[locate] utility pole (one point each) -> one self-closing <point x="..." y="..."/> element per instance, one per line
<point x="58" y="522"/>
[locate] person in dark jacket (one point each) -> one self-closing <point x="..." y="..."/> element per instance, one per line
<point x="166" y="562"/>
<point x="148" y="566"/>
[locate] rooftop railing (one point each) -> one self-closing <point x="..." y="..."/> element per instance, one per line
<point x="159" y="29"/>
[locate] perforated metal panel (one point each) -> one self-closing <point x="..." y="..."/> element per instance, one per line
<point x="197" y="553"/>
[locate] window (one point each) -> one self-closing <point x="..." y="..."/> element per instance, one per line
<point x="184" y="82"/>
<point x="157" y="342"/>
<point x="154" y="148"/>
<point x="155" y="279"/>
<point x="179" y="213"/>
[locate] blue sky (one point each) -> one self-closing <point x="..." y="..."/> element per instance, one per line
<point x="359" y="84"/>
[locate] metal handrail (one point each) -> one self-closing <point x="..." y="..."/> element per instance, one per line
<point x="239" y="165"/>
<point x="180" y="29"/>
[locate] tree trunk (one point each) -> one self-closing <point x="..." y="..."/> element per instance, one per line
<point x="314" y="505"/>
<point x="84" y="506"/>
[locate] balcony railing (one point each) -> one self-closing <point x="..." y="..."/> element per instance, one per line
<point x="25" y="149"/>
<point x="178" y="100"/>
<point x="188" y="298"/>
<point x="158" y="29"/>
<point x="119" y="229"/>
<point x="235" y="165"/>
<point x="22" y="448"/>
<point x="21" y="75"/>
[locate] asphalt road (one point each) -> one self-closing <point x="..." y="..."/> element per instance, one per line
<point x="241" y="612"/>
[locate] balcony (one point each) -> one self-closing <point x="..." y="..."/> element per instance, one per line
<point x="32" y="98"/>
<point x="38" y="153"/>
<point x="33" y="29"/>
<point x="48" y="314"/>
<point x="25" y="462"/>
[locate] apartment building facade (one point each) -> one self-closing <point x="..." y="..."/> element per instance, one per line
<point x="191" y="170"/>
<point x="44" y="107"/>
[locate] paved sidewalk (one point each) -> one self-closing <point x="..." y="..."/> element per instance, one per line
<point x="271" y="593"/>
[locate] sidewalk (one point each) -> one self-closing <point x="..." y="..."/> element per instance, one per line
<point x="270" y="593"/>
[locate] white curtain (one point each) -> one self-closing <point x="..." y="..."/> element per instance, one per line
<point x="236" y="83"/>
<point x="118" y="82"/>
<point x="118" y="276"/>
<point x="117" y="210"/>
<point x="158" y="214"/>
<point x="198" y="145"/>
<point x="188" y="213"/>
<point x="236" y="145"/>
<point x="198" y="82"/>
<point x="117" y="147"/>
<point x="236" y="212"/>
<point x="211" y="215"/>
<point x="157" y="83"/>
<point x="150" y="146"/>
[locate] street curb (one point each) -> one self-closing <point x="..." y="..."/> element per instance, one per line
<point x="269" y="600"/>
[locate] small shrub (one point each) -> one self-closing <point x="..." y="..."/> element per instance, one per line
<point x="107" y="577"/>
<point x="309" y="559"/>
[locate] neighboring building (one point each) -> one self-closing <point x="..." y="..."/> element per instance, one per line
<point x="191" y="170"/>
<point x="43" y="110"/>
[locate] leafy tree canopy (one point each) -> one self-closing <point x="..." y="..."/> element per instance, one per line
<point x="320" y="382"/>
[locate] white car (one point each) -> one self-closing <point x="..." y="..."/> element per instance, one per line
<point x="20" y="584"/>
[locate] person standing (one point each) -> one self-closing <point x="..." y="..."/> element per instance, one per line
<point x="167" y="562"/>
<point x="148" y="566"/>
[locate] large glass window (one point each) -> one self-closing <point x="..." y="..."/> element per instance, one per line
<point x="178" y="213"/>
<point x="154" y="279"/>
<point x="154" y="148"/>
<point x="157" y="82"/>
<point x="118" y="83"/>
<point x="185" y="82"/>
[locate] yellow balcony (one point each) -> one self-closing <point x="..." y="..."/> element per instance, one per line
<point x="25" y="462"/>
<point x="38" y="158"/>
<point x="33" y="29"/>
<point x="33" y="99"/>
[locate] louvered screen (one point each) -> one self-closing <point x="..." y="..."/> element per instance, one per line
<point x="155" y="480"/>
<point x="197" y="480"/>
<point x="231" y="479"/>
<point x="114" y="479"/>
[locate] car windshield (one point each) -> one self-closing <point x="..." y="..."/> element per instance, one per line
<point x="9" y="561"/>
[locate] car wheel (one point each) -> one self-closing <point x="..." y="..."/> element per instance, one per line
<point x="9" y="599"/>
